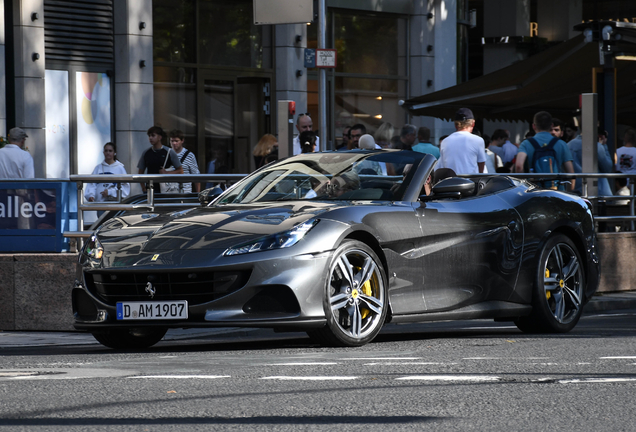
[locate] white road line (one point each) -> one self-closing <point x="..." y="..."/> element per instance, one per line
<point x="596" y="380"/>
<point x="618" y="358"/>
<point x="303" y="364"/>
<point x="382" y="358"/>
<point x="470" y="378"/>
<point x="180" y="376"/>
<point x="310" y="378"/>
<point x="481" y="358"/>
<point x="487" y="328"/>
<point x="406" y="363"/>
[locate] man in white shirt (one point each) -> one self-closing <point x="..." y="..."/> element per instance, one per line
<point x="15" y="162"/>
<point x="303" y="123"/>
<point x="462" y="151"/>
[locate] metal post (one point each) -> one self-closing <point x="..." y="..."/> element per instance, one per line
<point x="80" y="213"/>
<point x="322" y="77"/>
<point x="589" y="122"/>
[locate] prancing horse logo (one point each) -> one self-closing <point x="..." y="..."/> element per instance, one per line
<point x="150" y="290"/>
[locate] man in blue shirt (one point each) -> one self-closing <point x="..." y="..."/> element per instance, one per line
<point x="604" y="161"/>
<point x="424" y="145"/>
<point x="542" y="125"/>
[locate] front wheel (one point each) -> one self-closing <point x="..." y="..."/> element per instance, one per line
<point x="355" y="299"/>
<point x="130" y="338"/>
<point x="558" y="290"/>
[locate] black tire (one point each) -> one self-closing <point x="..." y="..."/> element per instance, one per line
<point x="559" y="289"/>
<point x="355" y="298"/>
<point x="130" y="338"/>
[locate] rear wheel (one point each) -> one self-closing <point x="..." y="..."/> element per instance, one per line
<point x="559" y="289"/>
<point x="355" y="299"/>
<point x="130" y="338"/>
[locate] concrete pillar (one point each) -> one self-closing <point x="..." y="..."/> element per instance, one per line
<point x="3" y="76"/>
<point x="432" y="56"/>
<point x="290" y="59"/>
<point x="28" y="43"/>
<point x="134" y="112"/>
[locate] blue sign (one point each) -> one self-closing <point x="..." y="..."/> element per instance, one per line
<point x="34" y="215"/>
<point x="310" y="58"/>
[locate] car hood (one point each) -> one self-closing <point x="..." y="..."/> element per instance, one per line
<point x="206" y="227"/>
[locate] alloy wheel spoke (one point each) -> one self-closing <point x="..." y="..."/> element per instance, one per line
<point x="356" y="321"/>
<point x="339" y="301"/>
<point x="367" y="271"/>
<point x="346" y="268"/>
<point x="572" y="269"/>
<point x="559" y="306"/>
<point x="559" y="258"/>
<point x="372" y="303"/>
<point x="574" y="298"/>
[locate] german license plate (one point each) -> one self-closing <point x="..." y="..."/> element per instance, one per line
<point x="152" y="310"/>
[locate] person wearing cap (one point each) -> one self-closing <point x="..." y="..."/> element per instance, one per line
<point x="15" y="162"/>
<point x="462" y="151"/>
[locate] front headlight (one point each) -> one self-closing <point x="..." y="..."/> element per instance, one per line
<point x="92" y="251"/>
<point x="275" y="241"/>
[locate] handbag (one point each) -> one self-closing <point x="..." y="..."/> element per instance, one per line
<point x="168" y="187"/>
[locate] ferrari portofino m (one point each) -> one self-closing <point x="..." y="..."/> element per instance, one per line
<point x="337" y="244"/>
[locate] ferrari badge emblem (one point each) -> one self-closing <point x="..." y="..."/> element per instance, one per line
<point x="154" y="257"/>
<point x="150" y="289"/>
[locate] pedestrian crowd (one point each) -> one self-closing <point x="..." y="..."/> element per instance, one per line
<point x="550" y="146"/>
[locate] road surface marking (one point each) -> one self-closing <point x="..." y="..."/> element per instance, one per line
<point x="310" y="378"/>
<point x="618" y="358"/>
<point x="470" y="378"/>
<point x="180" y="376"/>
<point x="303" y="364"/>
<point x="382" y="358"/>
<point x="596" y="380"/>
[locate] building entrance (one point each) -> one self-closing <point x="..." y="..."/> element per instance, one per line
<point x="234" y="114"/>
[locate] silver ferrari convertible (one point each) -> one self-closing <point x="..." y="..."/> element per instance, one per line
<point x="337" y="245"/>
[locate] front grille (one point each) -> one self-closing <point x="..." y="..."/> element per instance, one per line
<point x="196" y="287"/>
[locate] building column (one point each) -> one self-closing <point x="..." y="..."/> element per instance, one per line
<point x="3" y="77"/>
<point x="28" y="46"/>
<point x="289" y="58"/>
<point x="134" y="102"/>
<point x="432" y="56"/>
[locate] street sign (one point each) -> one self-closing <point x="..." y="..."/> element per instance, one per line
<point x="310" y="58"/>
<point x="325" y="58"/>
<point x="283" y="11"/>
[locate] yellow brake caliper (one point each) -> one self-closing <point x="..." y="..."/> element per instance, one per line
<point x="548" y="294"/>
<point x="367" y="290"/>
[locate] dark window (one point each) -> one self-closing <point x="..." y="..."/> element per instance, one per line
<point x="174" y="31"/>
<point x="227" y="34"/>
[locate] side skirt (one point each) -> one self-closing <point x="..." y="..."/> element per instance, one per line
<point x="490" y="309"/>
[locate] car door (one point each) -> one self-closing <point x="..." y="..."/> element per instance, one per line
<point x="469" y="251"/>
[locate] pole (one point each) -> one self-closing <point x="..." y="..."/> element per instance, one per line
<point x="322" y="75"/>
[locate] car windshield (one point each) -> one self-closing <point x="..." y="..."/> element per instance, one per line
<point x="351" y="175"/>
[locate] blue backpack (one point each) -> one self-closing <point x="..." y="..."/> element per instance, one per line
<point x="544" y="159"/>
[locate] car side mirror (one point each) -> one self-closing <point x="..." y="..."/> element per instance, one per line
<point x="208" y="195"/>
<point x="452" y="187"/>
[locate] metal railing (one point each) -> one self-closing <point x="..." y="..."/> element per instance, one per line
<point x="152" y="181"/>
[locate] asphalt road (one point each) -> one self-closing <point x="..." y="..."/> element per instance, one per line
<point x="468" y="375"/>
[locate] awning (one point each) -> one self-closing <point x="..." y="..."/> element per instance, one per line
<point x="551" y="80"/>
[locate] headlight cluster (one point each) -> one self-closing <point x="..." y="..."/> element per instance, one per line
<point x="275" y="241"/>
<point x="92" y="251"/>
